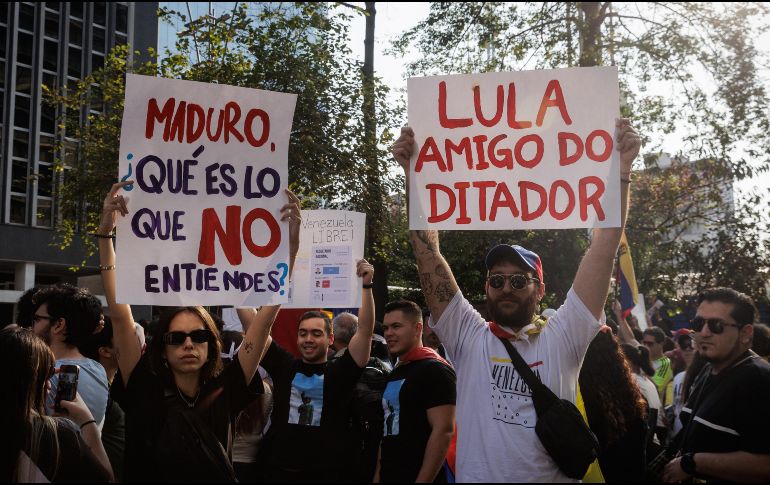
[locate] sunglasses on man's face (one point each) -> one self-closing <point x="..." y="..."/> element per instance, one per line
<point x="197" y="336"/>
<point x="716" y="326"/>
<point x="518" y="281"/>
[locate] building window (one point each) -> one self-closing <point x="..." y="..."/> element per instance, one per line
<point x="18" y="209"/>
<point x="121" y="18"/>
<point x="100" y="13"/>
<point x="76" y="33"/>
<point x="47" y="119"/>
<point x="50" y="55"/>
<point x="76" y="9"/>
<point x="75" y="63"/>
<point x="52" y="25"/>
<point x="99" y="38"/>
<point x="21" y="115"/>
<point x="24" y="80"/>
<point x="44" y="216"/>
<point x="20" y="144"/>
<point x="24" y="49"/>
<point x="27" y="17"/>
<point x="19" y="176"/>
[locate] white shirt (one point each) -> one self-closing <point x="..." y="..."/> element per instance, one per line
<point x="650" y="393"/>
<point x="678" y="401"/>
<point x="496" y="440"/>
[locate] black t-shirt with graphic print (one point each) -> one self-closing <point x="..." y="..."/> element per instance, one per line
<point x="730" y="409"/>
<point x="412" y="389"/>
<point x="311" y="420"/>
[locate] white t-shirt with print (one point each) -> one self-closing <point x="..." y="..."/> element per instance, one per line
<point x="496" y="440"/>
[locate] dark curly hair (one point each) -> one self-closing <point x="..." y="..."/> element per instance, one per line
<point x="80" y="310"/>
<point x="612" y="399"/>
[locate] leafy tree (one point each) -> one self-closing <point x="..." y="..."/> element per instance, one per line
<point x="299" y="48"/>
<point x="719" y="258"/>
<point x="703" y="53"/>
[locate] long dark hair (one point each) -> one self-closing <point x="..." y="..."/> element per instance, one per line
<point x="213" y="365"/>
<point x="26" y="364"/>
<point x="697" y="365"/>
<point x="640" y="357"/>
<point x="612" y="399"/>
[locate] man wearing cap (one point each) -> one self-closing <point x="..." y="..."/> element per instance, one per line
<point x="495" y="415"/>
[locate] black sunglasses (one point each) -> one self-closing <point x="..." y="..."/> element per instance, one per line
<point x="716" y="326"/>
<point x="518" y="281"/>
<point x="178" y="338"/>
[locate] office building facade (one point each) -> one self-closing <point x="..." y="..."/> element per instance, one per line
<point x="56" y="44"/>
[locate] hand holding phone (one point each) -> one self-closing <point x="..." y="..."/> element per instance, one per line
<point x="67" y="388"/>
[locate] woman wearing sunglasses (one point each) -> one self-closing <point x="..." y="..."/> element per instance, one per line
<point x="180" y="404"/>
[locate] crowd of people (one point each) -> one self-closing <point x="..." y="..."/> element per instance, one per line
<point x="426" y="395"/>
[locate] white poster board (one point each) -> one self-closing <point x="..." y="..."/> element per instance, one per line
<point x="211" y="164"/>
<point x="330" y="244"/>
<point x="515" y="150"/>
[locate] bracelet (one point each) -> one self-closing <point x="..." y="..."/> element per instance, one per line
<point x="368" y="286"/>
<point x="103" y="236"/>
<point x="625" y="181"/>
<point x="87" y="423"/>
<point x="106" y="267"/>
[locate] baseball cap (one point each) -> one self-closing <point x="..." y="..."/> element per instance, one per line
<point x="529" y="258"/>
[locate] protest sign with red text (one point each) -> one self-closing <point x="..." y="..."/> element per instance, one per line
<point x="211" y="164"/>
<point x="519" y="150"/>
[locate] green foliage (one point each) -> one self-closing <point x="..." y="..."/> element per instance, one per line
<point x="705" y="56"/>
<point x="297" y="48"/>
<point x="88" y="144"/>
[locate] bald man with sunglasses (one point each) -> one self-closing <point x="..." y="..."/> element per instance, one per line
<point x="726" y="419"/>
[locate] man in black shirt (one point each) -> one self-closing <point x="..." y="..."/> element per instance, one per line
<point x="419" y="402"/>
<point x="726" y="419"/>
<point x="310" y="421"/>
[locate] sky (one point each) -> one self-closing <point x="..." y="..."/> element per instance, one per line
<point x="394" y="18"/>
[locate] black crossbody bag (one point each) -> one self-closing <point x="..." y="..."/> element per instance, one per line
<point x="560" y="426"/>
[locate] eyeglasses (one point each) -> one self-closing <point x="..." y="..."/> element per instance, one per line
<point x="178" y="338"/>
<point x="518" y="281"/>
<point x="716" y="326"/>
<point x="37" y="318"/>
<point x="648" y="343"/>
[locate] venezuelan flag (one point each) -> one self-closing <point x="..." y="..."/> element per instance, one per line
<point x="626" y="278"/>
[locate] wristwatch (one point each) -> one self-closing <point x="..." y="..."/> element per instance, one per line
<point x="687" y="462"/>
<point x="368" y="285"/>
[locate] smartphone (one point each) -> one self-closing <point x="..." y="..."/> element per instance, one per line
<point x="67" y="386"/>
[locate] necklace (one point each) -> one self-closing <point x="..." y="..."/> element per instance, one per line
<point x="194" y="401"/>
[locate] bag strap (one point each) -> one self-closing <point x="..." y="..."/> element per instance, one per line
<point x="544" y="394"/>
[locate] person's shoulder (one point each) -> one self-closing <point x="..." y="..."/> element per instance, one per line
<point x="65" y="425"/>
<point x="757" y="368"/>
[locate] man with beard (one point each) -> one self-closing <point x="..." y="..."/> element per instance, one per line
<point x="495" y="415"/>
<point x="726" y="423"/>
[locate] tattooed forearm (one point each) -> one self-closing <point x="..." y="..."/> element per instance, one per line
<point x="248" y="347"/>
<point x="444" y="292"/>
<point x="424" y="242"/>
<point x="426" y="283"/>
<point x="441" y="271"/>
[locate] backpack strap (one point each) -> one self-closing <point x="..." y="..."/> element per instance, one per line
<point x="542" y="397"/>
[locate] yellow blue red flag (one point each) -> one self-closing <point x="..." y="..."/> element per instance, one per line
<point x="626" y="278"/>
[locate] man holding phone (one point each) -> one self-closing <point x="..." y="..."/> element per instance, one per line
<point x="66" y="318"/>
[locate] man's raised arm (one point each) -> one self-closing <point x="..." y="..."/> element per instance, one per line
<point x="438" y="284"/>
<point x="592" y="280"/>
